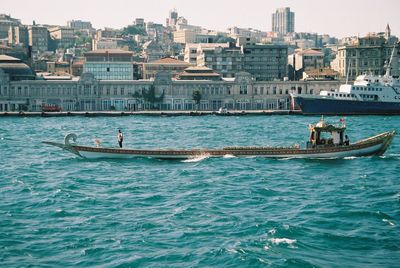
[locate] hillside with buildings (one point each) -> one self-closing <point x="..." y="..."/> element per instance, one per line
<point x="79" y="68"/>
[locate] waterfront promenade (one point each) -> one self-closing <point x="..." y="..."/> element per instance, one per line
<point x="149" y="113"/>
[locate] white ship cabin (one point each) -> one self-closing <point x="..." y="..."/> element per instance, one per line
<point x="368" y="88"/>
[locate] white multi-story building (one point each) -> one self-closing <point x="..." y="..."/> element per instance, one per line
<point x="112" y="64"/>
<point x="223" y="58"/>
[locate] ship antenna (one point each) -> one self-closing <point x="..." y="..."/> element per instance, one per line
<point x="390" y="62"/>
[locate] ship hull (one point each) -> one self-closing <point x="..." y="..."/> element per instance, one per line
<point x="311" y="105"/>
<point x="376" y="145"/>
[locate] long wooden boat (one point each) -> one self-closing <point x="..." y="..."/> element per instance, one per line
<point x="317" y="147"/>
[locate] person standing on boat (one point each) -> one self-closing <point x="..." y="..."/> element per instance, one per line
<point x="346" y="140"/>
<point x="120" y="138"/>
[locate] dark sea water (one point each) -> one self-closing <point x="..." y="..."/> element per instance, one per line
<point x="57" y="210"/>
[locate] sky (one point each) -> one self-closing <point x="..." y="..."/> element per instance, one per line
<point x="339" y="18"/>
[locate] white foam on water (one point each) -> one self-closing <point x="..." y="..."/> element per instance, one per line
<point x="389" y="222"/>
<point x="272" y="231"/>
<point x="196" y="158"/>
<point x="229" y="156"/>
<point x="232" y="250"/>
<point x="278" y="241"/>
<point x="350" y="157"/>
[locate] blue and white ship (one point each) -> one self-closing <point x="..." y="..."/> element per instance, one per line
<point x="369" y="94"/>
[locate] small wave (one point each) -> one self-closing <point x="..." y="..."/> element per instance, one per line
<point x="60" y="213"/>
<point x="278" y="241"/>
<point x="390" y="156"/>
<point x="229" y="156"/>
<point x="197" y="158"/>
<point x="286" y="158"/>
<point x="389" y="222"/>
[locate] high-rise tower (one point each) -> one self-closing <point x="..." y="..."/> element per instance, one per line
<point x="283" y="21"/>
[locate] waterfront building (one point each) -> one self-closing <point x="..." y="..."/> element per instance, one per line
<point x="367" y="55"/>
<point x="64" y="36"/>
<point x="113" y="64"/>
<point x="266" y="62"/>
<point x="15" y="69"/>
<point x="304" y="60"/>
<point x="38" y="38"/>
<point x="86" y="93"/>
<point x="199" y="73"/>
<point x="283" y="21"/>
<point x="174" y="66"/>
<point x="223" y="58"/>
<point x="321" y="74"/>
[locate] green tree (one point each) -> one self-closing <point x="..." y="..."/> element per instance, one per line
<point x="196" y="95"/>
<point x="149" y="96"/>
<point x="133" y="30"/>
<point x="223" y="39"/>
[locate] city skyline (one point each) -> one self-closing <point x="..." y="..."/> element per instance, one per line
<point x="355" y="18"/>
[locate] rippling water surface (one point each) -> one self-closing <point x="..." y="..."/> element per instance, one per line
<point x="60" y="210"/>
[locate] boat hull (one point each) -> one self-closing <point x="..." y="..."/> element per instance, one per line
<point x="315" y="105"/>
<point x="376" y="145"/>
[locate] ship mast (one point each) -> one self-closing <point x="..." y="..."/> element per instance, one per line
<point x="387" y="74"/>
<point x="348" y="72"/>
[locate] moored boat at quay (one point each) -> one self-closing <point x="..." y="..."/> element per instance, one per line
<point x="369" y="95"/>
<point x="325" y="141"/>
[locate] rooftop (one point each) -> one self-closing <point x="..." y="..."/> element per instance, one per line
<point x="169" y="60"/>
<point x="109" y="51"/>
<point x="311" y="52"/>
<point x="4" y="58"/>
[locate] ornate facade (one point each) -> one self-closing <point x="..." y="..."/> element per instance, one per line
<point x="90" y="94"/>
